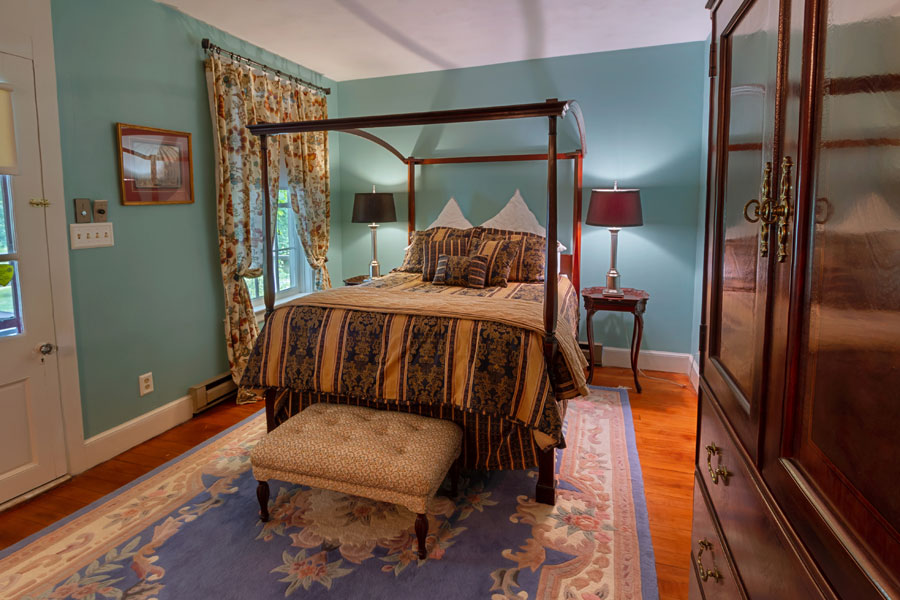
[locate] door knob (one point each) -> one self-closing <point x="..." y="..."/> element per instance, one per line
<point x="45" y="348"/>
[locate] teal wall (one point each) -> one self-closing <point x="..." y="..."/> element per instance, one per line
<point x="154" y="302"/>
<point x="643" y="110"/>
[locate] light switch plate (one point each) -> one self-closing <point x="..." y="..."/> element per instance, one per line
<point x="91" y="235"/>
<point x="82" y="210"/>
<point x="100" y="214"/>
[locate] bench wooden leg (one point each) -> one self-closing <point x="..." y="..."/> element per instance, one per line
<point x="545" y="492"/>
<point x="421" y="533"/>
<point x="262" y="494"/>
<point x="454" y="479"/>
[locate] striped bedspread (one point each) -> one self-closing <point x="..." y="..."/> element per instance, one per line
<point x="474" y="356"/>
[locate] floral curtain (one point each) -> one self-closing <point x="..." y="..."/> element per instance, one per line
<point x="240" y="96"/>
<point x="306" y="159"/>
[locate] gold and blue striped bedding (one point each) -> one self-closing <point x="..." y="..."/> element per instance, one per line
<point x="474" y="356"/>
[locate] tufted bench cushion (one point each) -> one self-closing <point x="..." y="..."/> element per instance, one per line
<point x="387" y="456"/>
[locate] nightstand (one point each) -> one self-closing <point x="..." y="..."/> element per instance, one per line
<point x="635" y="302"/>
<point x="356" y="280"/>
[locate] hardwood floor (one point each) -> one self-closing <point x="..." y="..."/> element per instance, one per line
<point x="31" y="516"/>
<point x="664" y="422"/>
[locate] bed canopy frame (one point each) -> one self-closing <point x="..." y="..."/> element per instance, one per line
<point x="553" y="109"/>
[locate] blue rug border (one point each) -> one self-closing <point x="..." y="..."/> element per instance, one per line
<point x="649" y="584"/>
<point x="50" y="528"/>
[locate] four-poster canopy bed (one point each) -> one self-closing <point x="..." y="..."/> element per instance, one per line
<point x="555" y="365"/>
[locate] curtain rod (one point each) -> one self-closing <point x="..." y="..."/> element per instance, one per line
<point x="210" y="47"/>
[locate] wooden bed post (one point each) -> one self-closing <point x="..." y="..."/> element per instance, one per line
<point x="269" y="276"/>
<point x="411" y="198"/>
<point x="576" y="225"/>
<point x="545" y="491"/>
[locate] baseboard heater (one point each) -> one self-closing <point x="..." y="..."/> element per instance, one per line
<point x="212" y="391"/>
<point x="598" y="353"/>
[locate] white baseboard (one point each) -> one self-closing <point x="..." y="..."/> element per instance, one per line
<point x="648" y="360"/>
<point x="120" y="438"/>
<point x="35" y="492"/>
<point x="695" y="373"/>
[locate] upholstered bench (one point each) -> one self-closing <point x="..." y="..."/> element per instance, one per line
<point x="386" y="456"/>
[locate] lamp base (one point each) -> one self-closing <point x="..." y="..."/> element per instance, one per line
<point x="374" y="268"/>
<point x="612" y="289"/>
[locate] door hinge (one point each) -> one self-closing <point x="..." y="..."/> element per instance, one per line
<point x="702" y="348"/>
<point x="40" y="202"/>
<point x="712" y="58"/>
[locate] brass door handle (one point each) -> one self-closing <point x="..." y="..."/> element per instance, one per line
<point x="762" y="210"/>
<point x="782" y="210"/>
<point x="705" y="574"/>
<point x="720" y="470"/>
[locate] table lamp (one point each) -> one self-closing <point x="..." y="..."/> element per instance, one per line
<point x="614" y="209"/>
<point x="373" y="209"/>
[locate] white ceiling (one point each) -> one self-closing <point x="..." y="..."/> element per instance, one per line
<point x="354" y="39"/>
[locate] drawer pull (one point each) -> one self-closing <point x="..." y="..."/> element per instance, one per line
<point x="707" y="573"/>
<point x="720" y="470"/>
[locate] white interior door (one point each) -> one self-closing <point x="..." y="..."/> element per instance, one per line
<point x="31" y="427"/>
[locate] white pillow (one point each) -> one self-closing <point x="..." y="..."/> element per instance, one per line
<point x="451" y="216"/>
<point x="516" y="216"/>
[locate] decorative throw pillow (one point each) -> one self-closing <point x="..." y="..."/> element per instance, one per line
<point x="444" y="240"/>
<point x="529" y="263"/>
<point x="498" y="255"/>
<point x="478" y="269"/>
<point x="452" y="270"/>
<point x="412" y="260"/>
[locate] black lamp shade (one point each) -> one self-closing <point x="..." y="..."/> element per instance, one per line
<point x="615" y="208"/>
<point x="374" y="208"/>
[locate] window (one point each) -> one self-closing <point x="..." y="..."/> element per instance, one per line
<point x="293" y="275"/>
<point x="10" y="305"/>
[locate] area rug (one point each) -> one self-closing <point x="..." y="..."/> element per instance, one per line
<point x="190" y="530"/>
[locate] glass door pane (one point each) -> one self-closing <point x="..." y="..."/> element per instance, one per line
<point x="850" y="394"/>
<point x="10" y="303"/>
<point x="744" y="152"/>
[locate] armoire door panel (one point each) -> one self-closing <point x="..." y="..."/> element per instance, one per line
<point x="742" y="199"/>
<point x="841" y="394"/>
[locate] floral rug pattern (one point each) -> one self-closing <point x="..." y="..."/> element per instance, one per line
<point x="191" y="529"/>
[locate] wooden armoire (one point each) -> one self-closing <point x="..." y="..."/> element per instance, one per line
<point x="797" y="479"/>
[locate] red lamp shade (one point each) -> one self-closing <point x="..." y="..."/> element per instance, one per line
<point x="615" y="208"/>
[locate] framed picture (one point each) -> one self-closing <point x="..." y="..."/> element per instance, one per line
<point x="155" y="165"/>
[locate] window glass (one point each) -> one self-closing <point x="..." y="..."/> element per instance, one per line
<point x="293" y="274"/>
<point x="10" y="303"/>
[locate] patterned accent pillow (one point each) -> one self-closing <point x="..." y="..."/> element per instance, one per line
<point x="478" y="269"/>
<point x="452" y="270"/>
<point x="529" y="263"/>
<point x="443" y="240"/>
<point x="498" y="255"/>
<point x="412" y="261"/>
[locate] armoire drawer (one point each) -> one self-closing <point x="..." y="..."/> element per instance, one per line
<point x="767" y="565"/>
<point x="694" y="592"/>
<point x="711" y="563"/>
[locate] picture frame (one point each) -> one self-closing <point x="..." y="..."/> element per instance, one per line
<point x="155" y="165"/>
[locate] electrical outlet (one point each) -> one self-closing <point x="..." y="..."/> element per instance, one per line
<point x="145" y="383"/>
<point x="100" y="215"/>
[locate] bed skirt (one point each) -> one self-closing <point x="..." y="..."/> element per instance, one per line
<point x="489" y="443"/>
